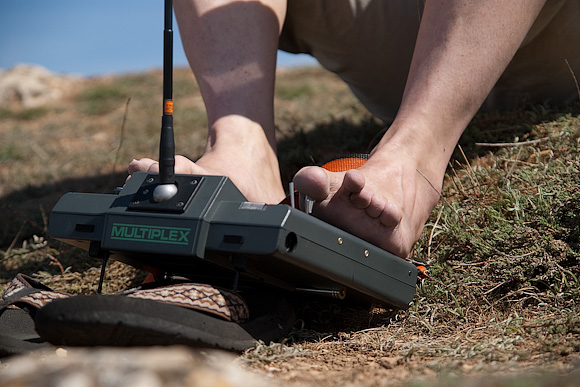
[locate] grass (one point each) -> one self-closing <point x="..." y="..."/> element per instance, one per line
<point x="23" y="115"/>
<point x="503" y="246"/>
<point x="102" y="99"/>
<point x="268" y="353"/>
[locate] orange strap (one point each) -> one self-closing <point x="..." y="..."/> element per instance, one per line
<point x="345" y="163"/>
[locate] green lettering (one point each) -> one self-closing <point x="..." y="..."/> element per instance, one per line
<point x="118" y="231"/>
<point x="153" y="234"/>
<point x="183" y="236"/>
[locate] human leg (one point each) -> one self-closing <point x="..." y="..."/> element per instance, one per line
<point x="462" y="49"/>
<point x="357" y="40"/>
<point x="231" y="47"/>
<point x="542" y="69"/>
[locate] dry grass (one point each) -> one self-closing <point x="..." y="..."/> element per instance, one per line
<point x="503" y="288"/>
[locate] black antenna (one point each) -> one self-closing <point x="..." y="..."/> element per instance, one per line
<point x="167" y="188"/>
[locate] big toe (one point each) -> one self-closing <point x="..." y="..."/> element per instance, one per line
<point x="142" y="165"/>
<point x="313" y="182"/>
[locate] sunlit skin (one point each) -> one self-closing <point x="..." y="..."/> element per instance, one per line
<point x="461" y="50"/>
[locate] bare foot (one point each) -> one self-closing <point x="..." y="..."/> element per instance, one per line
<point x="251" y="165"/>
<point x="254" y="186"/>
<point x="385" y="202"/>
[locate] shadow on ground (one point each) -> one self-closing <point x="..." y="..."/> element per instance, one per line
<point x="25" y="212"/>
<point x="341" y="138"/>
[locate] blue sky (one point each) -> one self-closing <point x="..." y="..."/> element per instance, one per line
<point x="91" y="37"/>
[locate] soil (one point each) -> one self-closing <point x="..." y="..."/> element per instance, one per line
<point x="498" y="306"/>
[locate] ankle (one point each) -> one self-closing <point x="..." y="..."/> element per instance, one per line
<point x="418" y="149"/>
<point x="237" y="131"/>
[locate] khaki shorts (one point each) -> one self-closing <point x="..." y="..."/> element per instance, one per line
<point x="369" y="44"/>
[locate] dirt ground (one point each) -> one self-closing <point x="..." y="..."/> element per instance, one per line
<point x="499" y="303"/>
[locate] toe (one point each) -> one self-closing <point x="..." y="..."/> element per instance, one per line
<point x="185" y="166"/>
<point x="353" y="182"/>
<point x="376" y="207"/>
<point x="391" y="215"/>
<point x="154" y="168"/>
<point x="141" y="165"/>
<point x="361" y="200"/>
<point x="314" y="182"/>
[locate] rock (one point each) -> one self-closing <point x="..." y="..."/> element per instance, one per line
<point x="31" y="86"/>
<point x="128" y="367"/>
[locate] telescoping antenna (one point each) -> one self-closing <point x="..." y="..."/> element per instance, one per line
<point x="167" y="187"/>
